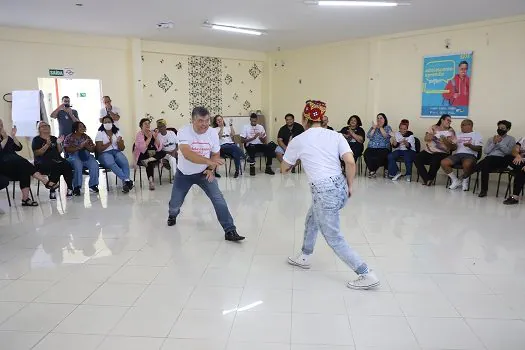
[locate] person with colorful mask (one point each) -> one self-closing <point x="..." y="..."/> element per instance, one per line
<point x="320" y="151"/>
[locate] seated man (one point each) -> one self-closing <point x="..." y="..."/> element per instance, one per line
<point x="325" y="125"/>
<point x="169" y="141"/>
<point x="518" y="164"/>
<point x="498" y="151"/>
<point x="469" y="144"/>
<point x="255" y="141"/>
<point x="286" y="133"/>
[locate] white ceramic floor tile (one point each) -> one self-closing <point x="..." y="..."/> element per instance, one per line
<point x="372" y="304"/>
<point x="214" y="298"/>
<point x="164" y="296"/>
<point x="257" y="346"/>
<point x="146" y="322"/>
<point x="426" y="305"/>
<point x="192" y="344"/>
<point x="270" y="279"/>
<point x="24" y="290"/>
<point x="8" y="309"/>
<point x="319" y="302"/>
<point x="68" y="292"/>
<point x="56" y="341"/>
<point x="49" y="273"/>
<point x="461" y="284"/>
<point x="203" y="324"/>
<point x="18" y="340"/>
<point x="500" y="334"/>
<point x="131" y="343"/>
<point x="135" y="274"/>
<point x="92" y="273"/>
<point x="382" y="331"/>
<point x="321" y="347"/>
<point x="484" y="306"/>
<point x="116" y="294"/>
<point x="261" y="327"/>
<point x="321" y="329"/>
<point x="453" y="333"/>
<point x="266" y="300"/>
<point x="320" y="280"/>
<point x="37" y="317"/>
<point x="91" y="319"/>
<point x="412" y="283"/>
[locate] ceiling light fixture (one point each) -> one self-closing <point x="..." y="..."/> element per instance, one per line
<point x="233" y="29"/>
<point x="355" y="3"/>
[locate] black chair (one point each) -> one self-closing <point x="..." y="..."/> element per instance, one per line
<point x="459" y="167"/>
<point x="500" y="173"/>
<point x="509" y="189"/>
<point x="140" y="170"/>
<point x="8" y="196"/>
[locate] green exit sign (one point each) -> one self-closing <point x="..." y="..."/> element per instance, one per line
<point x="82" y="94"/>
<point x="56" y="72"/>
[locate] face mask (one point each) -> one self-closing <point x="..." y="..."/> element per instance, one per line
<point x="67" y="105"/>
<point x="501" y="132"/>
<point x="108" y="126"/>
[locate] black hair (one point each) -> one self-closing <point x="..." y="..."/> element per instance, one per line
<point x="142" y="121"/>
<point x="359" y="123"/>
<point x="64" y="97"/>
<point x="103" y="97"/>
<point x="289" y="115"/>
<point x="384" y="117"/>
<point x="443" y="117"/>
<point x="506" y="123"/>
<point x="214" y="121"/>
<point x="114" y="129"/>
<point x="463" y="62"/>
<point x="254" y="116"/>
<point x="76" y="126"/>
<point x="199" y="112"/>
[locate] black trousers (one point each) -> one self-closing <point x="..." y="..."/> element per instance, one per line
<point x="519" y="178"/>
<point x="357" y="149"/>
<point x="4" y="182"/>
<point x="266" y="149"/>
<point x="150" y="169"/>
<point x="55" y="169"/>
<point x="433" y="159"/>
<point x="17" y="168"/>
<point x="489" y="165"/>
<point x="376" y="158"/>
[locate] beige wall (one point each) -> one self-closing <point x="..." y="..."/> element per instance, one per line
<point x="384" y="75"/>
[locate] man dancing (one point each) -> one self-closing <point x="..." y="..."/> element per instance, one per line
<point x="199" y="155"/>
<point x="320" y="151"/>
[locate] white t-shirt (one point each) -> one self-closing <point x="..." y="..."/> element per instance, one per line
<point x="320" y="151"/>
<point x="471" y="137"/>
<point x="521" y="143"/>
<point x="203" y="144"/>
<point x="410" y="139"/>
<point x="249" y="131"/>
<point x="169" y="141"/>
<point x="226" y="135"/>
<point x="115" y="110"/>
<point x="104" y="138"/>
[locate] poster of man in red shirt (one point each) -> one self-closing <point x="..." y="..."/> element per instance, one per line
<point x="459" y="87"/>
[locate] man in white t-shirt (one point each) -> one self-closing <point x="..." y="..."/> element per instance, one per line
<point x="256" y="141"/>
<point x="468" y="145"/>
<point x="199" y="155"/>
<point x="169" y="141"/>
<point x="109" y="109"/>
<point x="320" y="151"/>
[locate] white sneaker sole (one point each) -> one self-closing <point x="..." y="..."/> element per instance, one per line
<point x="374" y="285"/>
<point x="294" y="263"/>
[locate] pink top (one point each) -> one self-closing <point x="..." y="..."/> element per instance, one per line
<point x="141" y="146"/>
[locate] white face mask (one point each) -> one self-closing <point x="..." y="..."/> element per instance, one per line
<point x="108" y="126"/>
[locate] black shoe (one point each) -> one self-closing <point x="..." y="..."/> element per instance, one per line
<point x="94" y="189"/>
<point x="252" y="170"/>
<point x="236" y="175"/>
<point x="269" y="171"/>
<point x="217" y="175"/>
<point x="511" y="201"/>
<point x="125" y="187"/>
<point x="76" y="191"/>
<point x="293" y="170"/>
<point x="233" y="236"/>
<point x="130" y="184"/>
<point x="69" y="193"/>
<point x="172" y="220"/>
<point x="482" y="194"/>
<point x="85" y="172"/>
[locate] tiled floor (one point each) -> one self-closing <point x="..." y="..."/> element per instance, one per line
<point x="105" y="272"/>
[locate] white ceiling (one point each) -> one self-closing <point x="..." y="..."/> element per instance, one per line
<point x="289" y="23"/>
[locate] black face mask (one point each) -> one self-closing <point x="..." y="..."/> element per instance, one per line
<point x="501" y="132"/>
<point x="67" y="105"/>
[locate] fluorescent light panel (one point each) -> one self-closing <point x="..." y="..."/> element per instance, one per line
<point x="233" y="29"/>
<point x="358" y="3"/>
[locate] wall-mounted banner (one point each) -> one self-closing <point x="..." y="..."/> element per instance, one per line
<point x="446" y="85"/>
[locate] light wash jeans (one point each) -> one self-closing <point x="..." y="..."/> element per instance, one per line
<point x="182" y="184"/>
<point x="78" y="165"/>
<point x="117" y="162"/>
<point x="329" y="197"/>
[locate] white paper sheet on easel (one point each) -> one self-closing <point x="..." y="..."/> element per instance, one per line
<point x="26" y="112"/>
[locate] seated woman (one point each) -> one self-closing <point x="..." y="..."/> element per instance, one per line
<point x="518" y="166"/>
<point x="376" y="154"/>
<point x="440" y="141"/>
<point x="228" y="147"/>
<point x="355" y="135"/>
<point x="78" y="146"/>
<point x="403" y="145"/>
<point x="47" y="150"/>
<point x="148" y="149"/>
<point x="17" y="168"/>
<point x="109" y="145"/>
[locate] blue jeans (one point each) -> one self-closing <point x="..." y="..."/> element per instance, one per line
<point x="232" y="150"/>
<point x="329" y="197"/>
<point x="117" y="162"/>
<point x="90" y="164"/>
<point x="407" y="155"/>
<point x="182" y="184"/>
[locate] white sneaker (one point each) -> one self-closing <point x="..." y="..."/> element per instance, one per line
<point x="408" y="179"/>
<point x="364" y="281"/>
<point x="301" y="260"/>
<point x="455" y="184"/>
<point x="395" y="178"/>
<point x="465" y="184"/>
